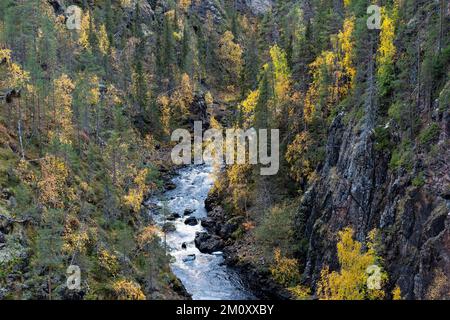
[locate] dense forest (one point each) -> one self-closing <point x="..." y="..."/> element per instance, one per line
<point x="86" y="116"/>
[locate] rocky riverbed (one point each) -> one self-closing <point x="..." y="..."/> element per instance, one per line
<point x="197" y="257"/>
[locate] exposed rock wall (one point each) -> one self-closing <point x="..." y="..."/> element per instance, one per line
<point x="356" y="188"/>
<point x="256" y="6"/>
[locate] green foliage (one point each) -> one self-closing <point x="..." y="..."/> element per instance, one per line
<point x="402" y="156"/>
<point x="262" y="114"/>
<point x="382" y="139"/>
<point x="397" y="111"/>
<point x="49" y="241"/>
<point x="386" y="52"/>
<point x="276" y="228"/>
<point x="284" y="270"/>
<point x="429" y="134"/>
<point x="419" y="180"/>
<point x="97" y="108"/>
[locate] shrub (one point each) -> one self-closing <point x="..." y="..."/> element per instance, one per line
<point x="419" y="180"/>
<point x="382" y="139"/>
<point x="285" y="270"/>
<point x="429" y="134"/>
<point x="402" y="156"/>
<point x="128" y="290"/>
<point x="300" y="292"/>
<point x="276" y="229"/>
<point x="108" y="262"/>
<point x="396" y="293"/>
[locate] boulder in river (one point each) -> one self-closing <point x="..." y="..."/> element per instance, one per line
<point x="184" y="246"/>
<point x="191" y="221"/>
<point x="207" y="243"/>
<point x="188" y="212"/>
<point x="188" y="258"/>
<point x="170" y="186"/>
<point x="173" y="216"/>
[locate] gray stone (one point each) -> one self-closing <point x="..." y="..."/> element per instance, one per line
<point x="207" y="243"/>
<point x="191" y="221"/>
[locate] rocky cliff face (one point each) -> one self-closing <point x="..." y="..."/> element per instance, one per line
<point x="257" y="6"/>
<point x="356" y="188"/>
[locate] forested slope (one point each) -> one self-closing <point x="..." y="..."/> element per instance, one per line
<point x="364" y="116"/>
<point x="86" y="117"/>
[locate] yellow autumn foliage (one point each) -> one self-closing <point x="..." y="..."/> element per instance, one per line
<point x="108" y="261"/>
<point x="182" y="98"/>
<point x="301" y="166"/>
<point x="147" y="235"/>
<point x="128" y="290"/>
<point x="333" y="74"/>
<point x="136" y="195"/>
<point x="396" y="293"/>
<point x="351" y="281"/>
<point x="52" y="185"/>
<point x="319" y="69"/>
<point x="248" y="107"/>
<point x="166" y="113"/>
<point x="284" y="270"/>
<point x="11" y="74"/>
<point x="282" y="81"/>
<point x="103" y="41"/>
<point x="61" y="120"/>
<point x="75" y="241"/>
<point x="184" y="4"/>
<point x="85" y="30"/>
<point x="230" y="55"/>
<point x="346" y="73"/>
<point x="386" y="50"/>
<point x="300" y="292"/>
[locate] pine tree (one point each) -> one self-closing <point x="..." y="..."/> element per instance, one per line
<point x="48" y="252"/>
<point x="187" y="51"/>
<point x="167" y="49"/>
<point x="262" y="110"/>
<point x="250" y="66"/>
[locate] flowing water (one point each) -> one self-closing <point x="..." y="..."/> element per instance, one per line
<point x="205" y="277"/>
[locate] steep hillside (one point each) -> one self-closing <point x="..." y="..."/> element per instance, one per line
<point x="366" y="147"/>
<point x="85" y="120"/>
<point x="89" y="98"/>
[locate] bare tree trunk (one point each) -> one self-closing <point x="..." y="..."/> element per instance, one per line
<point x="49" y="284"/>
<point x="441" y="24"/>
<point x="19" y="129"/>
<point x="418" y="89"/>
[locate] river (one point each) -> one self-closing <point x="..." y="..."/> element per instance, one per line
<point x="205" y="277"/>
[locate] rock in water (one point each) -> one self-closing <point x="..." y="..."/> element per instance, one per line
<point x="191" y="221"/>
<point x="189" y="258"/>
<point x="170" y="186"/>
<point x="207" y="243"/>
<point x="184" y="246"/>
<point x="188" y="212"/>
<point x="173" y="216"/>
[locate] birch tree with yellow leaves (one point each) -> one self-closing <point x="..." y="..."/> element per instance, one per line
<point x="351" y="282"/>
